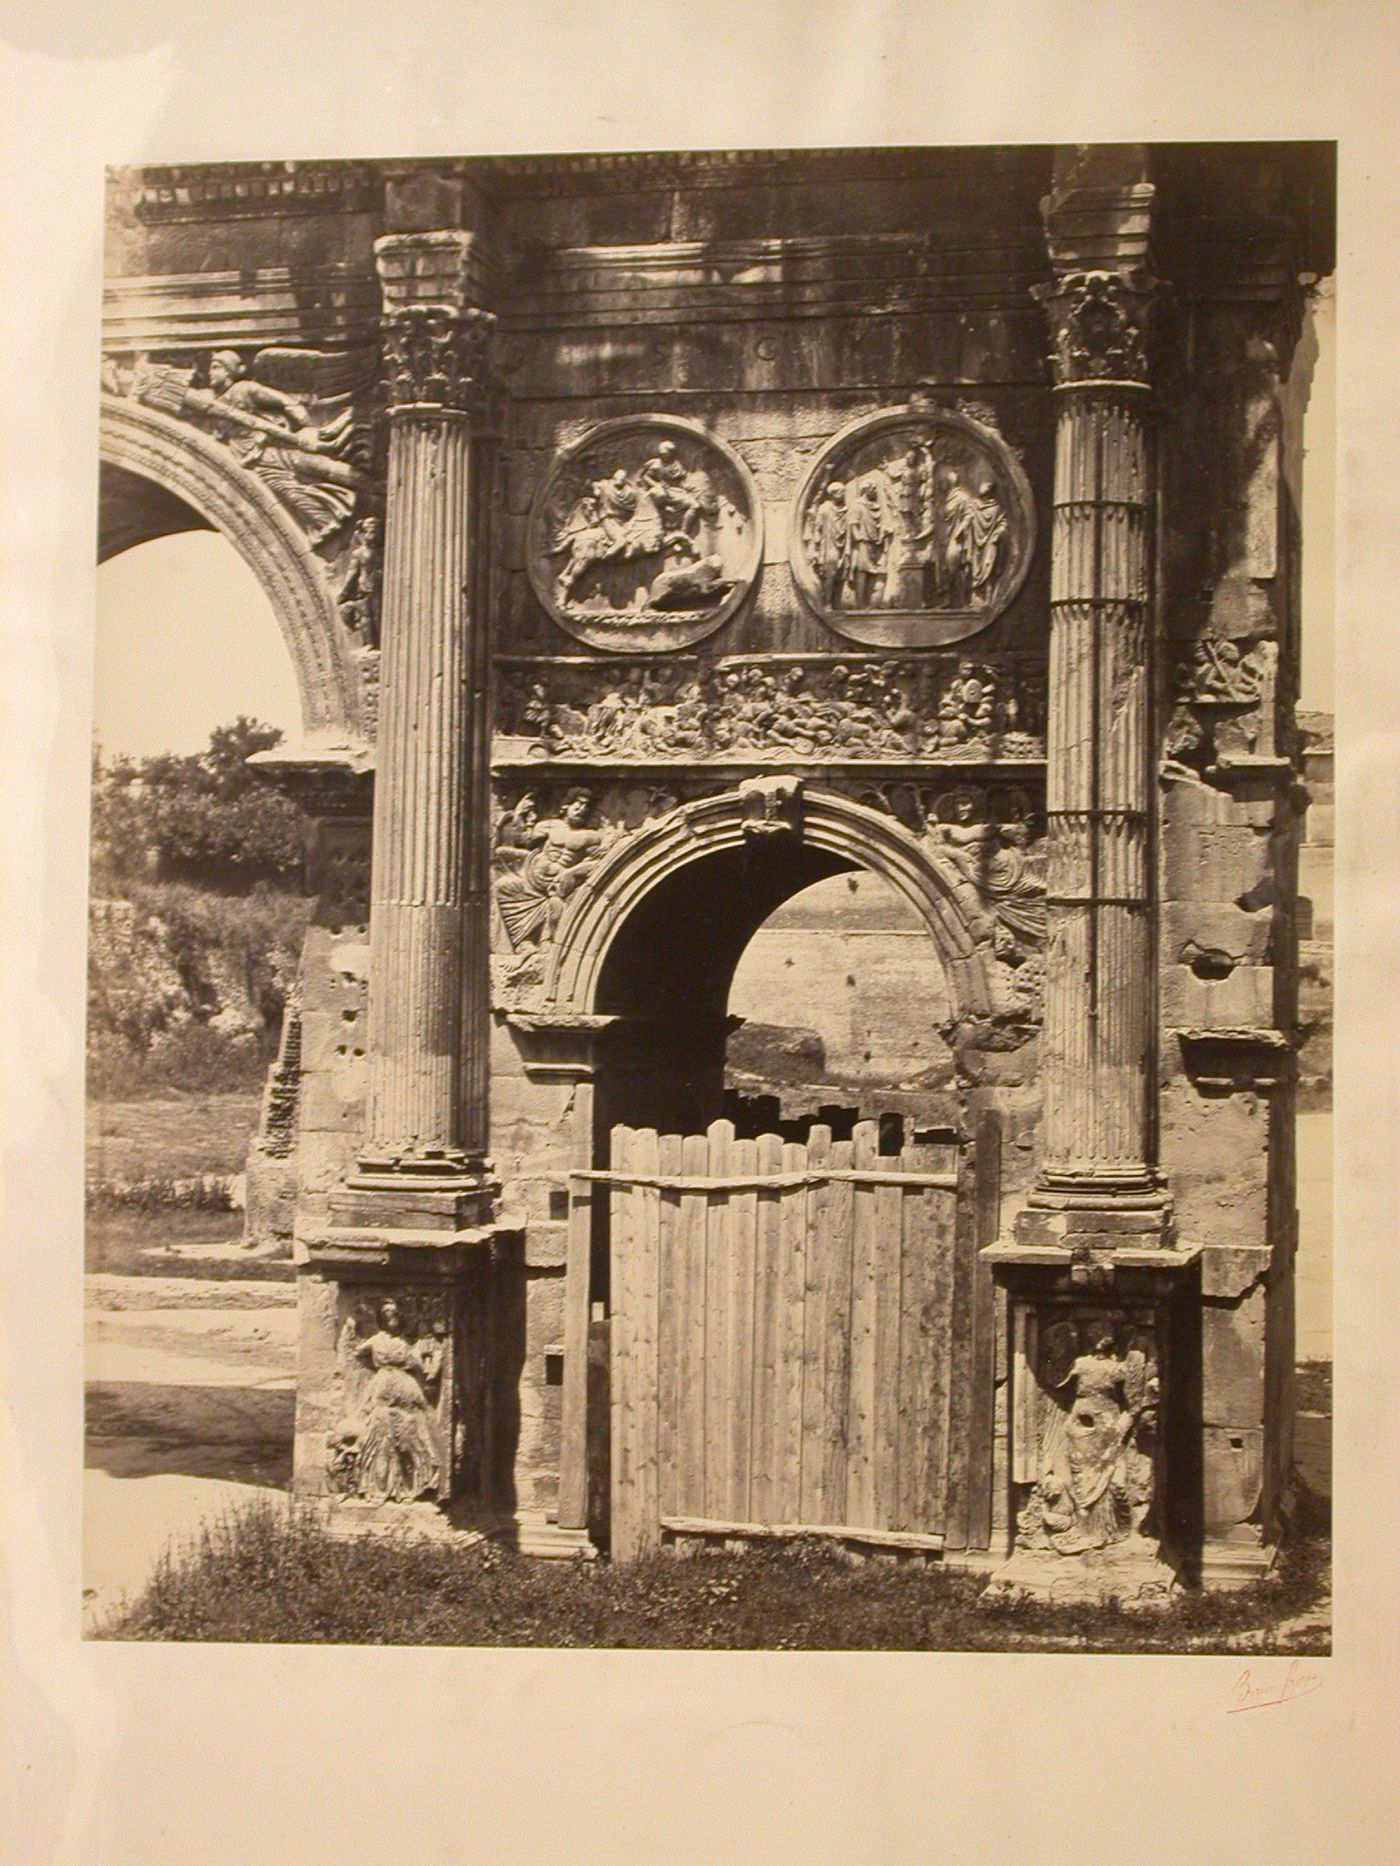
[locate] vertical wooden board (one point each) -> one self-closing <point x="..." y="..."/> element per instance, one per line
<point x="743" y="1226"/>
<point x="889" y="1305"/>
<point x="925" y="1356"/>
<point x="670" y="1291"/>
<point x="860" y="1408"/>
<point x="960" y="1364"/>
<point x="717" y="1325"/>
<point x="836" y="1371"/>
<point x="573" y="1428"/>
<point x="763" y="1401"/>
<point x="812" y="1495"/>
<point x="914" y="1383"/>
<point x="690" y="1396"/>
<point x="981" y="1420"/>
<point x="642" y="1285"/>
<point x="623" y="1513"/>
<point x="792" y="1300"/>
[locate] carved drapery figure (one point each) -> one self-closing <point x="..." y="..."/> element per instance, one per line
<point x="386" y="1449"/>
<point x="361" y="582"/>
<point x="976" y="527"/>
<point x="917" y="513"/>
<point x="956" y="834"/>
<point x="1015" y="886"/>
<point x="289" y="419"/>
<point x="1096" y="1482"/>
<point x="540" y="864"/>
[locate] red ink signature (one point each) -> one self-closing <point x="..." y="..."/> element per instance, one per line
<point x="1252" y="1692"/>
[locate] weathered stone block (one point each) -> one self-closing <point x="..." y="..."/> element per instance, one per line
<point x="333" y="1101"/>
<point x="1233" y="1477"/>
<point x="1232" y="1357"/>
<point x="1230" y="1270"/>
<point x="546" y="1245"/>
<point x="324" y="1157"/>
<point x="1199" y="930"/>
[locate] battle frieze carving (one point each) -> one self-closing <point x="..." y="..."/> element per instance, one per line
<point x="391" y="1442"/>
<point x="778" y="710"/>
<point x="914" y="527"/>
<point x="1090" y="1416"/>
<point x="644" y="536"/>
<point x="289" y="417"/>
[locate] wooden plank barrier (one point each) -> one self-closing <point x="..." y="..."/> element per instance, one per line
<point x="783" y="1347"/>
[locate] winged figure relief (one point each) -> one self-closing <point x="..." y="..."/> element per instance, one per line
<point x="289" y="416"/>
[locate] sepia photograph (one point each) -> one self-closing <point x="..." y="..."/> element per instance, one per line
<point x="710" y="922"/>
<point x="696" y="1074"/>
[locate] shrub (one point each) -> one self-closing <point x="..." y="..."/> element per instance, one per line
<point x="206" y="818"/>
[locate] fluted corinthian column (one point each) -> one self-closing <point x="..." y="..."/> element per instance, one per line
<point x="429" y="940"/>
<point x="1097" y="1127"/>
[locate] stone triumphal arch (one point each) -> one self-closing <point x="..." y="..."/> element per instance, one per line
<point x="654" y="537"/>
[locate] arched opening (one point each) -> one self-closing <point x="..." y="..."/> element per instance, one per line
<point x="836" y="1009"/>
<point x="668" y="975"/>
<point x="186" y="641"/>
<point x="161" y="477"/>
<point x="198" y="887"/>
<point x="702" y="958"/>
<point x="774" y="1249"/>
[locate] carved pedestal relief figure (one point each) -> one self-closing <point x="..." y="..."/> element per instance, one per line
<point x="914" y="527"/>
<point x="387" y="1447"/>
<point x="645" y="535"/>
<point x="1098" y="1382"/>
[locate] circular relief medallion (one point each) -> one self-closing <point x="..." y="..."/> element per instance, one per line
<point x="914" y="527"/>
<point x="645" y="535"/>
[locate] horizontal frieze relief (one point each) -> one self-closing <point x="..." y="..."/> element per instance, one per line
<point x="774" y="708"/>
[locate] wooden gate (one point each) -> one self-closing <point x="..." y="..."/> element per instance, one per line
<point x="798" y="1340"/>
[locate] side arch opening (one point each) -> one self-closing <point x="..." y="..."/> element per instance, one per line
<point x="160" y="477"/>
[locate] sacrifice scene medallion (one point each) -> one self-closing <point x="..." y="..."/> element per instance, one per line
<point x="915" y="527"/>
<point x="645" y="535"/>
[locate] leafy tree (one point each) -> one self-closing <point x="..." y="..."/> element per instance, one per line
<point x="205" y="818"/>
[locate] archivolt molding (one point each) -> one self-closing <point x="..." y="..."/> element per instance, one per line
<point x="865" y="837"/>
<point x="198" y="470"/>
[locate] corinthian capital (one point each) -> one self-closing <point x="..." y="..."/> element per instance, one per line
<point x="436" y="334"/>
<point x="1098" y="325"/>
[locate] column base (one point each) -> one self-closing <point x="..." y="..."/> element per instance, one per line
<point x="1116" y="1210"/>
<point x="1135" y="1573"/>
<point x="420" y="1200"/>
<point x="1226" y="1566"/>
